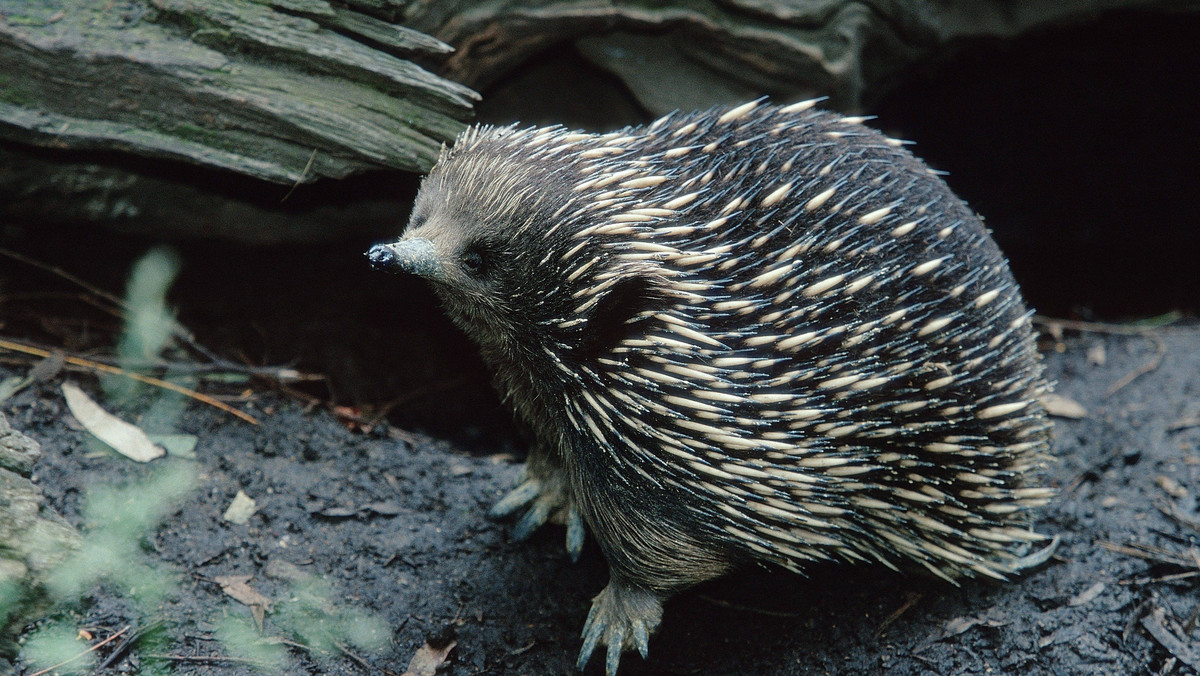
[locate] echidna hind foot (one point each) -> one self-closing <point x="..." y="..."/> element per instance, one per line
<point x="542" y="493"/>
<point x="622" y="618"/>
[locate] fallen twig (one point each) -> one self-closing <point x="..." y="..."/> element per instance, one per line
<point x="1155" y="624"/>
<point x="748" y="609"/>
<point x="119" y="309"/>
<point x="1171" y="511"/>
<point x="106" y="641"/>
<point x="1149" y="553"/>
<point x="413" y="395"/>
<point x="360" y="661"/>
<point x="105" y="368"/>
<point x="909" y="602"/>
<point x="21" y="258"/>
<point x="1096" y="327"/>
<point x="1184" y="423"/>
<point x="121" y="650"/>
<point x="209" y="659"/>
<point x="1160" y="349"/>
<point x="281" y="374"/>
<point x="1174" y="577"/>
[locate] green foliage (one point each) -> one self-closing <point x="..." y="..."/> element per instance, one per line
<point x="116" y="520"/>
<point x="317" y="622"/>
<point x="149" y="324"/>
<point x="58" y="643"/>
<point x="12" y="594"/>
<point x="241" y="639"/>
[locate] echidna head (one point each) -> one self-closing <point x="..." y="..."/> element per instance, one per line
<point x="494" y="230"/>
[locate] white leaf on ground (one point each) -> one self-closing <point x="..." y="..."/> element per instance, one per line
<point x="12" y="385"/>
<point x="241" y="509"/>
<point x="126" y="439"/>
<point x="1063" y="407"/>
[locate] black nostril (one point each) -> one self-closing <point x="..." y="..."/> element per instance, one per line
<point x="382" y="258"/>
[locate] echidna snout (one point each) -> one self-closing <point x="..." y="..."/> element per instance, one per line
<point x="413" y="255"/>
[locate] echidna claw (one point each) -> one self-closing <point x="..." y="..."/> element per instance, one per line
<point x="622" y="618"/>
<point x="517" y="498"/>
<point x="641" y="638"/>
<point x="537" y="515"/>
<point x="541" y="492"/>
<point x="612" y="659"/>
<point x="575" y="533"/>
<point x="591" y="638"/>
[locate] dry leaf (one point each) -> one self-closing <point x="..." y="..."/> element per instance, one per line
<point x="1170" y="486"/>
<point x="427" y="660"/>
<point x="1063" y="407"/>
<point x="1087" y="595"/>
<point x="240" y="509"/>
<point x="236" y="586"/>
<point x="126" y="439"/>
<point x="286" y="570"/>
<point x="13" y="384"/>
<point x="958" y="625"/>
<point x="1168" y="635"/>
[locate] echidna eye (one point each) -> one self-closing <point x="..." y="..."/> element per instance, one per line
<point x="473" y="261"/>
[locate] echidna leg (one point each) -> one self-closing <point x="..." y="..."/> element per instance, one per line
<point x="622" y="618"/>
<point x="542" y="492"/>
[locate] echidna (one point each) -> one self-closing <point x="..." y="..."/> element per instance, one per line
<point x="749" y="334"/>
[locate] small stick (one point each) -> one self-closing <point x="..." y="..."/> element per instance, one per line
<point x="105" y="368"/>
<point x="64" y="274"/>
<point x="90" y="649"/>
<point x="360" y="661"/>
<point x="206" y="659"/>
<point x="1160" y="349"/>
<point x="120" y="651"/>
<point x="1094" y="327"/>
<point x="303" y="173"/>
<point x="177" y="329"/>
<point x="909" y="602"/>
<point x="1148" y="553"/>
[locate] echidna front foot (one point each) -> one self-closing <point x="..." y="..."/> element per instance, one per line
<point x="622" y="617"/>
<point x="542" y="493"/>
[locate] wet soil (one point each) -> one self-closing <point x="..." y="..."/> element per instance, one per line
<point x="393" y="522"/>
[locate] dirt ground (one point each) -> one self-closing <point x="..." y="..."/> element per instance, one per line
<point x="392" y="522"/>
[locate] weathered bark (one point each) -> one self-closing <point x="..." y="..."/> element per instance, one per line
<point x="695" y="53"/>
<point x="33" y="538"/>
<point x="290" y="91"/>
